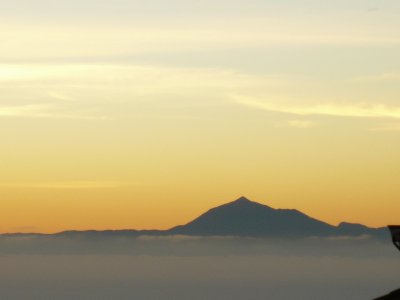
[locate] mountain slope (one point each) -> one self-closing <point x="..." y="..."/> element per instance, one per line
<point x="243" y="218"/>
<point x="247" y="218"/>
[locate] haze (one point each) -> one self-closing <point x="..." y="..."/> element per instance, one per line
<point x="196" y="268"/>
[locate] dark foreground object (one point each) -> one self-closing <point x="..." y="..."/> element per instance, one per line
<point x="392" y="296"/>
<point x="395" y="231"/>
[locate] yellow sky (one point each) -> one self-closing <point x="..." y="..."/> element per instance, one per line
<point x="128" y="115"/>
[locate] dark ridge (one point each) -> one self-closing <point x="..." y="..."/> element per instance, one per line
<point x="247" y="218"/>
<point x="241" y="217"/>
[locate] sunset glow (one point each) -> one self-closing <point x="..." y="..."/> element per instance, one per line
<point x="111" y="120"/>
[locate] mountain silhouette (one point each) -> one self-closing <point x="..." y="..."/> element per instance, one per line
<point x="243" y="217"/>
<point x="247" y="218"/>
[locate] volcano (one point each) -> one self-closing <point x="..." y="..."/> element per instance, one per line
<point x="247" y="218"/>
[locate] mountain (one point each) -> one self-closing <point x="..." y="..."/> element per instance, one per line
<point x="353" y="229"/>
<point x="242" y="218"/>
<point x="247" y="218"/>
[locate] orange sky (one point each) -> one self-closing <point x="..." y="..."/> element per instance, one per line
<point x="125" y="115"/>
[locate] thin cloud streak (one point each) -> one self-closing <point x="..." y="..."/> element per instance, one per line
<point x="65" y="185"/>
<point x="60" y="97"/>
<point x="378" y="78"/>
<point x="300" y="124"/>
<point x="329" y="109"/>
<point x="43" y="111"/>
<point x="51" y="42"/>
<point x="387" y="127"/>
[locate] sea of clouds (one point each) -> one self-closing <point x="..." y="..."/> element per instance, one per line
<point x="179" y="267"/>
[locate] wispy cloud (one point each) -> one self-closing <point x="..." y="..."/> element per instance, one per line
<point x="44" y="111"/>
<point x="379" y="77"/>
<point x="387" y="127"/>
<point x="362" y="110"/>
<point x="33" y="110"/>
<point x="301" y="124"/>
<point x="109" y="41"/>
<point x="60" y="96"/>
<point x="65" y="185"/>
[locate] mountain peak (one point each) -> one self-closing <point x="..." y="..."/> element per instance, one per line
<point x="242" y="199"/>
<point x="244" y="217"/>
<point x="243" y="202"/>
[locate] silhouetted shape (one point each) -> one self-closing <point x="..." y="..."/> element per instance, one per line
<point x="395" y="231"/>
<point x="353" y="229"/>
<point x="392" y="296"/>
<point x="244" y="218"/>
<point x="247" y="218"/>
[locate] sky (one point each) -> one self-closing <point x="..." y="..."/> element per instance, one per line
<point x="131" y="114"/>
